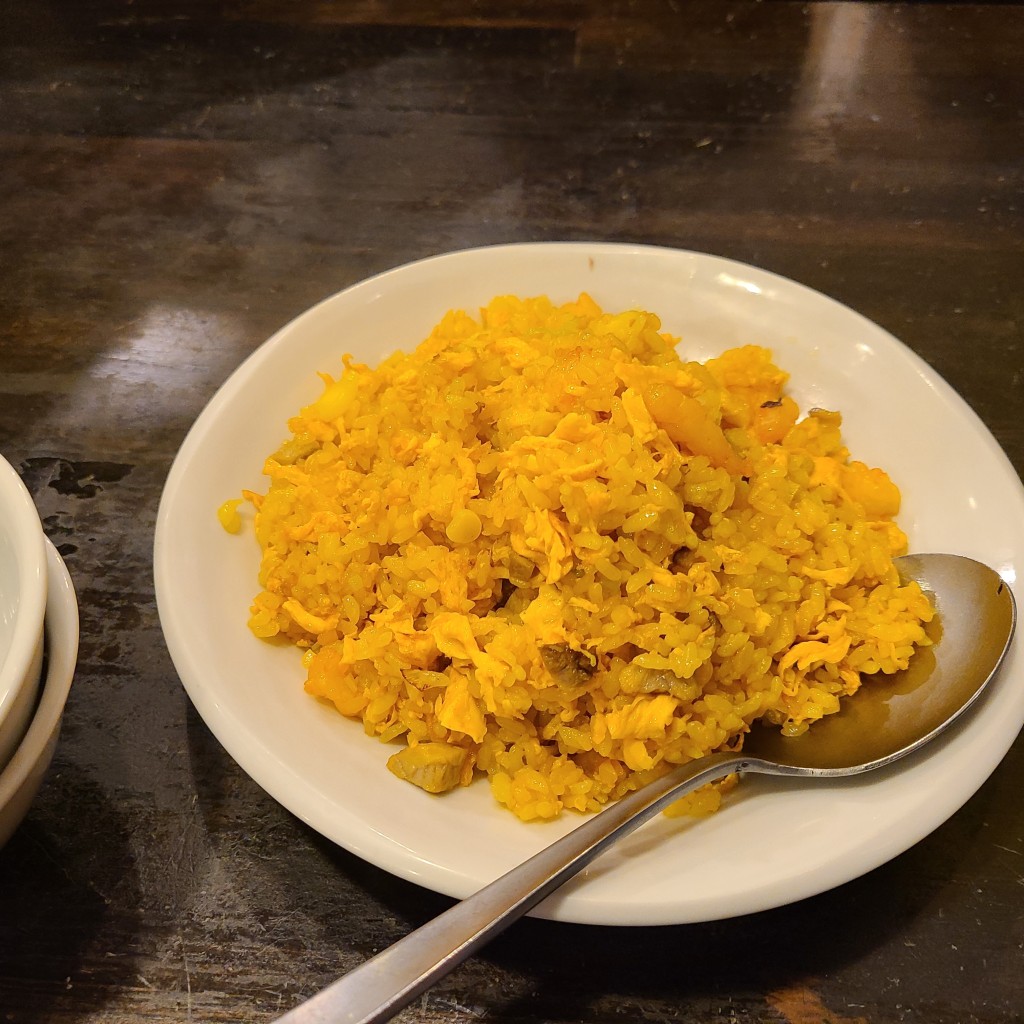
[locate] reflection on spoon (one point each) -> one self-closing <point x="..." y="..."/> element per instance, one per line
<point x="888" y="719"/>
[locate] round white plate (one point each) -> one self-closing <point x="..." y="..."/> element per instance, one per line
<point x="770" y="845"/>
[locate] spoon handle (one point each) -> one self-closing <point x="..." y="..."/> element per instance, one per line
<point x="379" y="988"/>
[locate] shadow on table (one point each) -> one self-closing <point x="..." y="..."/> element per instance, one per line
<point x="67" y="891"/>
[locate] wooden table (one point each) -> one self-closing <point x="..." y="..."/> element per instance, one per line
<point x="179" y="178"/>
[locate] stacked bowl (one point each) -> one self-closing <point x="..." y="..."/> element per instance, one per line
<point x="38" y="649"/>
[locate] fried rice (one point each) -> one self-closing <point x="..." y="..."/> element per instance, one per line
<point x="545" y="548"/>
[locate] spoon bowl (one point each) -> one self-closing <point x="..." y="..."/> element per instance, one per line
<point x="888" y="719"/>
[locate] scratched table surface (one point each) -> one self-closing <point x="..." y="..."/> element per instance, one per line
<point x="178" y="179"/>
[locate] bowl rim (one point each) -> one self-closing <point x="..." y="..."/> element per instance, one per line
<point x="25" y="532"/>
<point x="62" y="636"/>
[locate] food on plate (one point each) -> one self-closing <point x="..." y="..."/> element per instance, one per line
<point x="545" y="548"/>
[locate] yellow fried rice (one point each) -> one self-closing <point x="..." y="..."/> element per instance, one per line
<point x="545" y="548"/>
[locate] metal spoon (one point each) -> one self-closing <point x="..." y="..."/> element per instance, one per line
<point x="887" y="720"/>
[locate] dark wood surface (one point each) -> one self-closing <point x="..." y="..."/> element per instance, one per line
<point x="179" y="178"/>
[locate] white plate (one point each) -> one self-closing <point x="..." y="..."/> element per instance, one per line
<point x="770" y="846"/>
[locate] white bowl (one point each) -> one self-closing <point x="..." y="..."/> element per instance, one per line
<point x="21" y="778"/>
<point x="22" y="607"/>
